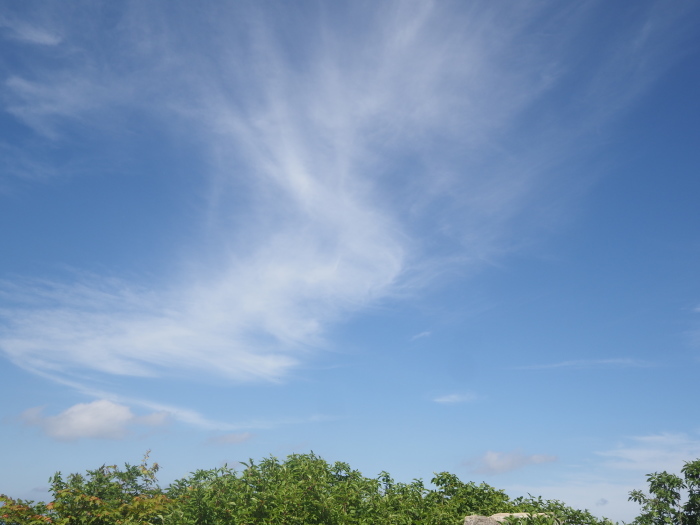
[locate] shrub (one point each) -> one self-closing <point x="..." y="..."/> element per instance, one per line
<point x="663" y="505"/>
<point x="302" y="490"/>
<point x="105" y="496"/>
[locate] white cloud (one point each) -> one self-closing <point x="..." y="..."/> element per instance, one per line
<point x="499" y="462"/>
<point x="352" y="173"/>
<point x="164" y="412"/>
<point x="99" y="419"/>
<point x="420" y="335"/>
<point x="111" y="328"/>
<point x="455" y="398"/>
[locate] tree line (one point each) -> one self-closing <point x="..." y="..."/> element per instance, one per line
<point x="304" y="489"/>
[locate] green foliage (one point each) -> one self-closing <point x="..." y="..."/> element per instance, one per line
<point x="302" y="490"/>
<point x="468" y="498"/>
<point x="532" y="519"/>
<point x="105" y="496"/>
<point x="663" y="505"/>
<point x="557" y="512"/>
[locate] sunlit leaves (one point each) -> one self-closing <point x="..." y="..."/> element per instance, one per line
<point x="303" y="489"/>
<point x="663" y="504"/>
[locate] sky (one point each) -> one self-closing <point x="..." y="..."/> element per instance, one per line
<point x="413" y="236"/>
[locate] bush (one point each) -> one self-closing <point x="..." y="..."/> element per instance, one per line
<point x="302" y="490"/>
<point x="663" y="505"/>
<point x="105" y="496"/>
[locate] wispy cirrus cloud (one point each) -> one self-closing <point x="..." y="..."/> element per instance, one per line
<point x="33" y="32"/>
<point x="109" y="327"/>
<point x="341" y="171"/>
<point x="44" y="107"/>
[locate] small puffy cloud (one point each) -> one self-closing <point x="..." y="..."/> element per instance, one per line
<point x="455" y="398"/>
<point x="231" y="439"/>
<point x="499" y="462"/>
<point x="101" y="419"/>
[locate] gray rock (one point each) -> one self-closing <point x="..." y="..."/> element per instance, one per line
<point x="496" y="519"/>
<point x="480" y="520"/>
<point x="500" y="518"/>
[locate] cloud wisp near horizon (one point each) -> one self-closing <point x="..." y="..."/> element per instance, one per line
<point x="499" y="462"/>
<point x="621" y="362"/>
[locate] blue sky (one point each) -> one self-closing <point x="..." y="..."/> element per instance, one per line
<point x="413" y="236"/>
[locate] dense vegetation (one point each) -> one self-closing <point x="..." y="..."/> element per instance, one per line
<point x="306" y="490"/>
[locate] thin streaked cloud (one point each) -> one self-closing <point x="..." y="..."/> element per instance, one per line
<point x="653" y="453"/>
<point x="591" y="363"/>
<point x="30" y="32"/>
<point x="450" y="399"/>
